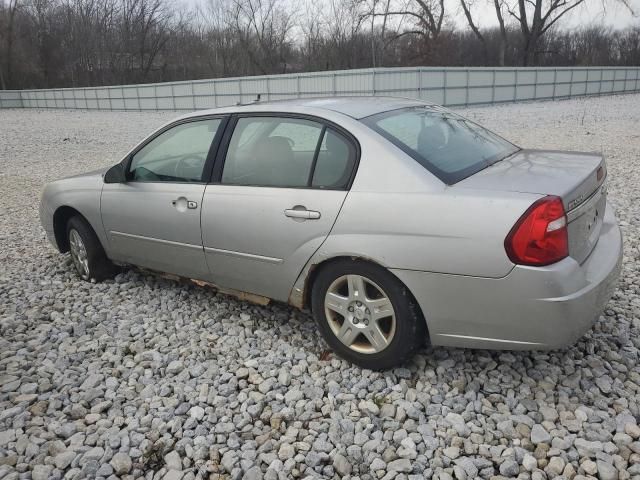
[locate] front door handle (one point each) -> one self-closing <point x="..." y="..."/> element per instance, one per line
<point x="182" y="203"/>
<point x="301" y="212"/>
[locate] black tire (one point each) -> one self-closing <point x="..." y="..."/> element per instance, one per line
<point x="99" y="266"/>
<point x="410" y="328"/>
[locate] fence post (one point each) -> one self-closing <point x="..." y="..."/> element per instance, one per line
<point x="493" y="87"/>
<point x="626" y="74"/>
<point x="466" y="90"/>
<point x="193" y="95"/>
<point x="586" y="82"/>
<point x="444" y="87"/>
<point x="155" y="94"/>
<point x="571" y="83"/>
<point x="600" y="82"/>
<point x="373" y="81"/>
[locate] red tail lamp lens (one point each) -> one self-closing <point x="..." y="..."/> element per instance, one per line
<point x="540" y="236"/>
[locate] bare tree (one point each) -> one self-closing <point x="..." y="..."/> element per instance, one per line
<point x="264" y="28"/>
<point x="7" y="35"/>
<point x="145" y="30"/>
<point x="535" y="18"/>
<point x="498" y="6"/>
<point x="466" y="8"/>
<point x="427" y="15"/>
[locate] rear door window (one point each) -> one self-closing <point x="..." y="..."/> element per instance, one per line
<point x="287" y="152"/>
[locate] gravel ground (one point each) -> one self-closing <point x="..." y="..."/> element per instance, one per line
<point x="142" y="376"/>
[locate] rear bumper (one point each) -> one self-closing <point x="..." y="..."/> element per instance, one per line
<point x="531" y="308"/>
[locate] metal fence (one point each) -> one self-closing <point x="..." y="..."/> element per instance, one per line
<point x="445" y="86"/>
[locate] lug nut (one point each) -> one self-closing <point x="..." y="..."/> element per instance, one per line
<point x="350" y="308"/>
<point x="355" y="321"/>
<point x="366" y="322"/>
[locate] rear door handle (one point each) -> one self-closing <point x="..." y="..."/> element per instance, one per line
<point x="302" y="213"/>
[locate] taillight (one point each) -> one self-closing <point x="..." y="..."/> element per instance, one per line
<point x="539" y="237"/>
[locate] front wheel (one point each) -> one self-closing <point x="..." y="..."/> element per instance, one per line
<point x="87" y="254"/>
<point x="366" y="314"/>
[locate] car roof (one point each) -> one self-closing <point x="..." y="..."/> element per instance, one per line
<point x="356" y="107"/>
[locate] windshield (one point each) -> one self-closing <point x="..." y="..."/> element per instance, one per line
<point x="448" y="145"/>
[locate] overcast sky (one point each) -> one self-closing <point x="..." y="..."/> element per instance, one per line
<point x="591" y="11"/>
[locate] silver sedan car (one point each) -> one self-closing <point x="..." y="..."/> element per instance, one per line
<point x="395" y="221"/>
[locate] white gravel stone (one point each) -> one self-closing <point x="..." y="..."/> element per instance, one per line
<point x="196" y="412"/>
<point x="539" y="434"/>
<point x="452" y="452"/>
<point x="378" y="464"/>
<point x="64" y="459"/>
<point x="633" y="430"/>
<point x="509" y="468"/>
<point x="121" y="463"/>
<point x="173" y="461"/>
<point x="529" y="462"/>
<point x="400" y="465"/>
<point x="590" y="467"/>
<point x="41" y="472"/>
<point x="606" y="471"/>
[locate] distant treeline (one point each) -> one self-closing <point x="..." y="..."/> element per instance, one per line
<point x="71" y="43"/>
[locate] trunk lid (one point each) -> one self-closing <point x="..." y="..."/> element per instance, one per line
<point x="577" y="178"/>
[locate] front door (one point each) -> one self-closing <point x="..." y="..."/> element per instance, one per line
<point x="153" y="219"/>
<point x="277" y="197"/>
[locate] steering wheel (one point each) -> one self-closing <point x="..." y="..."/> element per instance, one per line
<point x="189" y="167"/>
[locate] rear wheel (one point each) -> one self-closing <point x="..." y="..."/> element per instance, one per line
<point x="87" y="254"/>
<point x="366" y="314"/>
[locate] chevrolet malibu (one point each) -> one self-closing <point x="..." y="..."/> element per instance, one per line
<point x="394" y="221"/>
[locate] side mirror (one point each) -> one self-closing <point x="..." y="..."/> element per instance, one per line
<point x="115" y="174"/>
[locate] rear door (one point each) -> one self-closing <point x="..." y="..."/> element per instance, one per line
<point x="279" y="184"/>
<point x="153" y="219"/>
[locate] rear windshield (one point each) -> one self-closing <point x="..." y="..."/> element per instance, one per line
<point x="448" y="145"/>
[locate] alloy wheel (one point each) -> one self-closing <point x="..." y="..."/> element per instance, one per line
<point x="79" y="253"/>
<point x="360" y="314"/>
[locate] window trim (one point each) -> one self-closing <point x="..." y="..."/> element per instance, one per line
<point x="223" y="148"/>
<point x="211" y="154"/>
